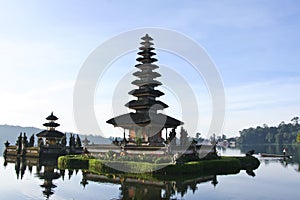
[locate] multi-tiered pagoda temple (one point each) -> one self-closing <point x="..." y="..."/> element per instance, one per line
<point x="51" y="143"/>
<point x="52" y="136"/>
<point x="146" y="123"/>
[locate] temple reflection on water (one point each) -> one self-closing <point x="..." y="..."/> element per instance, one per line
<point x="130" y="187"/>
<point x="45" y="170"/>
<point x="153" y="187"/>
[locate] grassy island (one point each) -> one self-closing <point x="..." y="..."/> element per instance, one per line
<point x="222" y="165"/>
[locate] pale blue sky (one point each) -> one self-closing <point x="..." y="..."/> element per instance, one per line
<point x="254" y="44"/>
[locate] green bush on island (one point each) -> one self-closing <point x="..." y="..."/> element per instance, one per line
<point x="298" y="138"/>
<point x="73" y="162"/>
<point x="215" y="166"/>
<point x="105" y="166"/>
<point x="222" y="165"/>
<point x="248" y="162"/>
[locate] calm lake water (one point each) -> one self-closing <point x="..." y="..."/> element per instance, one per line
<point x="274" y="179"/>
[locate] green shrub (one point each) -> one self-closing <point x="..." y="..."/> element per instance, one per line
<point x="73" y="162"/>
<point x="159" y="165"/>
<point x="164" y="159"/>
<point x="248" y="162"/>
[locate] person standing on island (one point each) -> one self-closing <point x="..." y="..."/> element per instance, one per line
<point x="284" y="151"/>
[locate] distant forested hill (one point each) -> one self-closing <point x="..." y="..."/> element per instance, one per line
<point x="281" y="134"/>
<point x="10" y="133"/>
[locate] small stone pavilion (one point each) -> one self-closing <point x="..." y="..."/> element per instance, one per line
<point x="146" y="124"/>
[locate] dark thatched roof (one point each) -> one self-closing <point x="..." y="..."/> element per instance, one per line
<point x="52" y="117"/>
<point x="50" y="134"/>
<point x="51" y="124"/>
<point x="146" y="103"/>
<point x="144" y="119"/>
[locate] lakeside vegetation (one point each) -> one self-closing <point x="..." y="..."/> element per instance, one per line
<point x="284" y="133"/>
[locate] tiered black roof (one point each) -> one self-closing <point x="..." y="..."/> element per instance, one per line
<point x="146" y="103"/>
<point x="52" y="117"/>
<point x="51" y="125"/>
<point x="130" y="120"/>
<point x="146" y="93"/>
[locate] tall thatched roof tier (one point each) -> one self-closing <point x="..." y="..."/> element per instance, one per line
<point x="131" y="120"/>
<point x="50" y="134"/>
<point x="145" y="105"/>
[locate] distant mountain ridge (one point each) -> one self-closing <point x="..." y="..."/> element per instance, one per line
<point x="11" y="132"/>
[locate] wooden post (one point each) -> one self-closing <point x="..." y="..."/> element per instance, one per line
<point x="166" y="134"/>
<point x="124" y="135"/>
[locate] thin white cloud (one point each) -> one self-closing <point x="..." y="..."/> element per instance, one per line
<point x="264" y="102"/>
